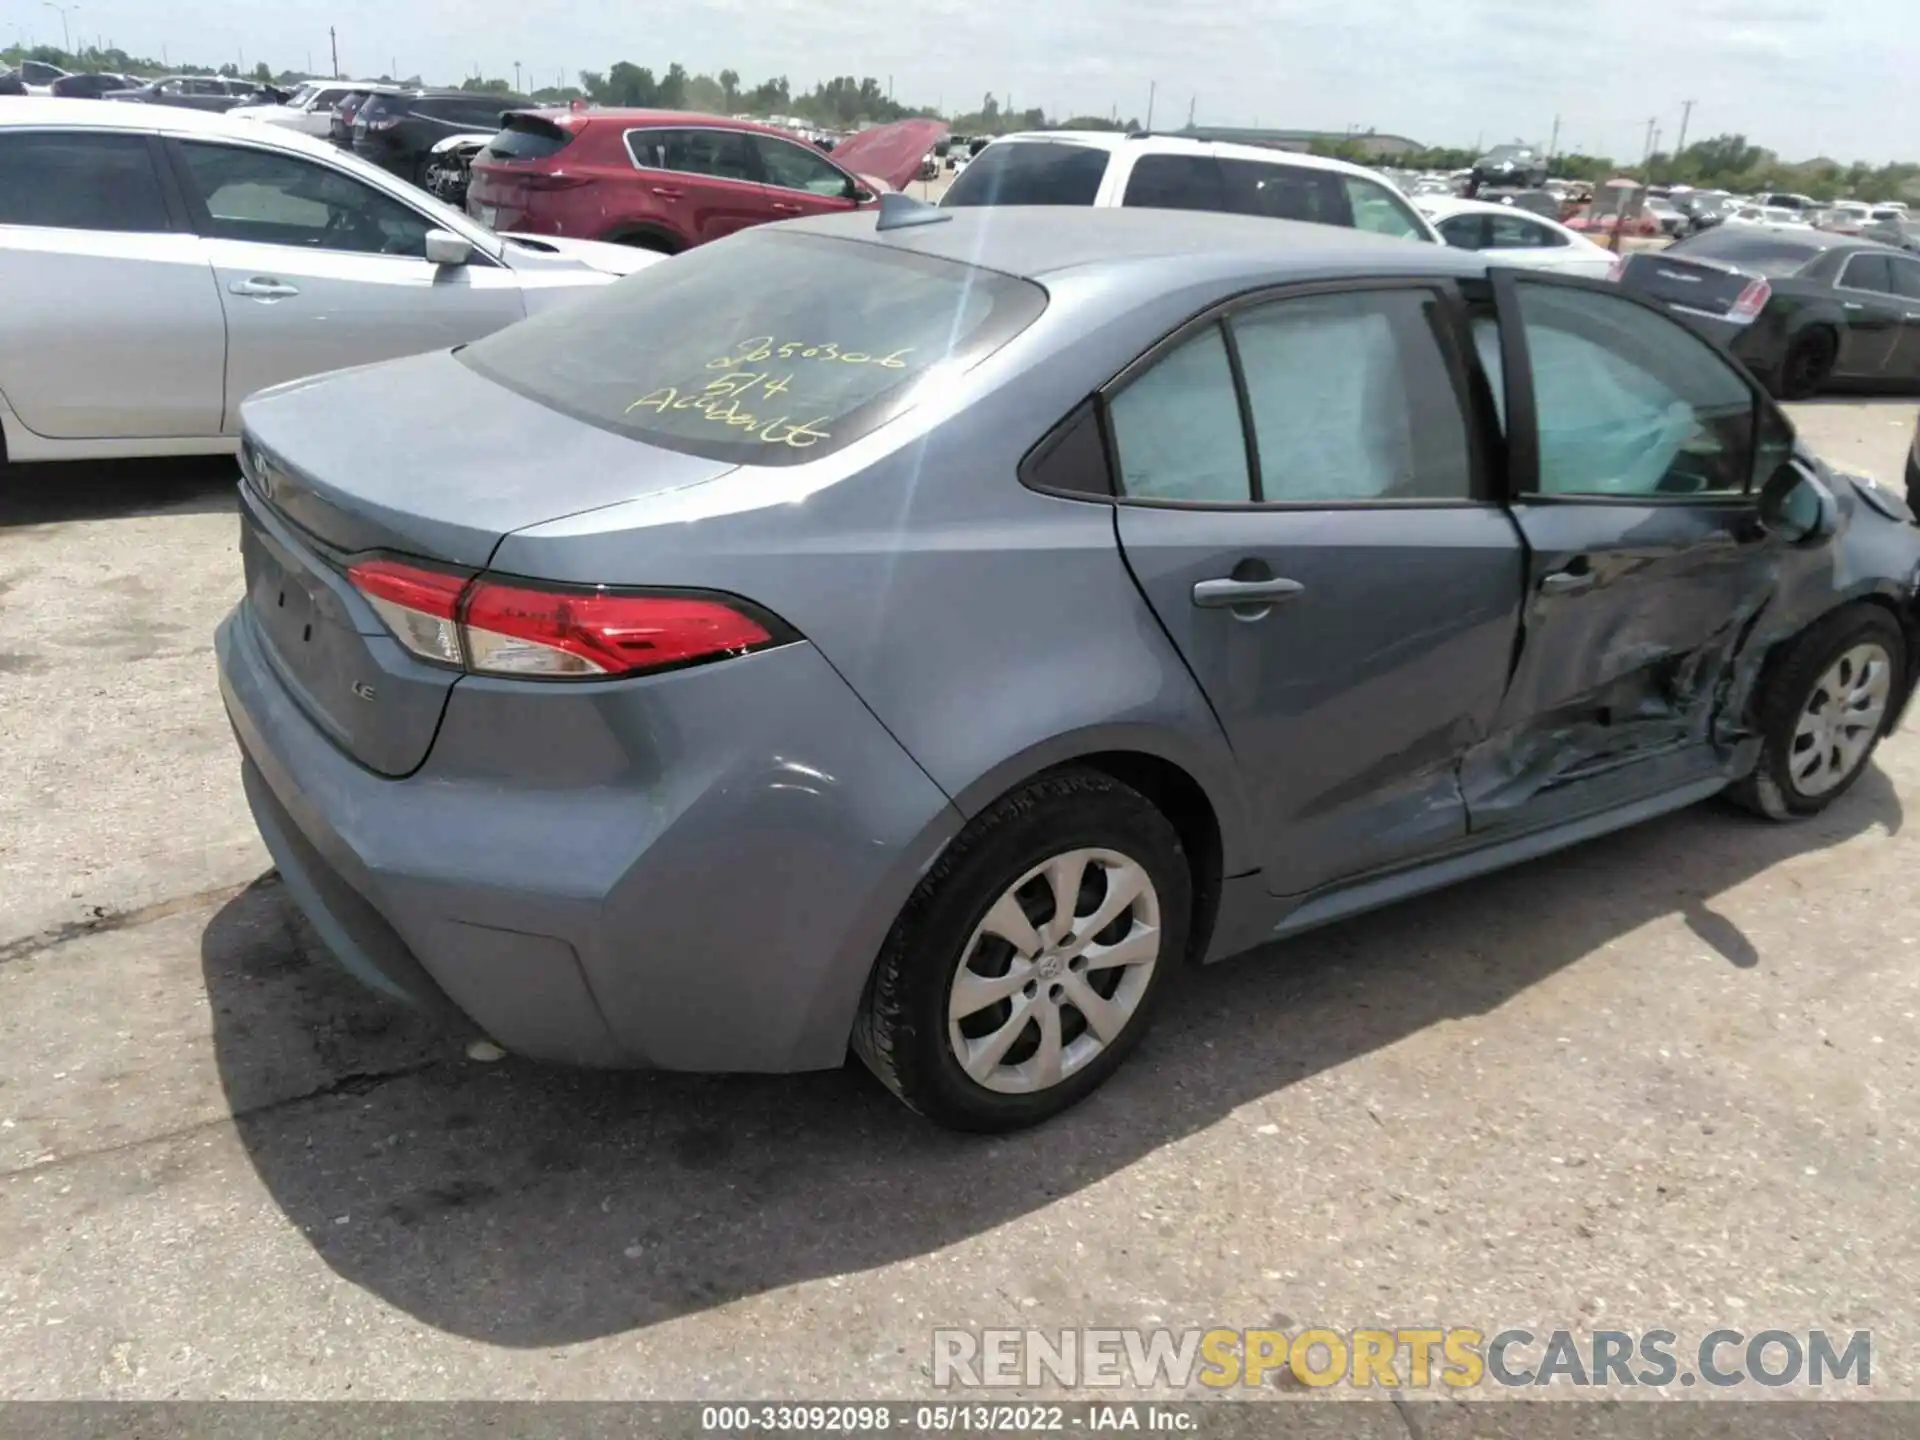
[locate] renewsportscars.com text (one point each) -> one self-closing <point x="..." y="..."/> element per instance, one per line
<point x="1413" y="1358"/>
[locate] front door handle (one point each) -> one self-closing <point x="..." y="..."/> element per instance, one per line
<point x="1852" y="306"/>
<point x="1567" y="582"/>
<point x="1230" y="594"/>
<point x="264" y="287"/>
<point x="667" y="192"/>
<point x="785" y="208"/>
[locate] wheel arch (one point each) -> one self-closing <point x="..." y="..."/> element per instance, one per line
<point x="628" y="234"/>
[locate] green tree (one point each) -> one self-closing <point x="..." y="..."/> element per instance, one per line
<point x="474" y="85"/>
<point x="263" y="72"/>
<point x="729" y="88"/>
<point x="673" y="88"/>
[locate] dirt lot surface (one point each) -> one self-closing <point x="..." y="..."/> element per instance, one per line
<point x="1665" y="1080"/>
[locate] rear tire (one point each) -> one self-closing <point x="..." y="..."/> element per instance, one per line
<point x="1822" y="710"/>
<point x="1808" y="365"/>
<point x="1005" y="1045"/>
<point x="645" y="241"/>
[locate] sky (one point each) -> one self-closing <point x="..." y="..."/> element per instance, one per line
<point x="1801" y="77"/>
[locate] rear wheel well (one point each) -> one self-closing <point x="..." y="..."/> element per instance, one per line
<point x="646" y="237"/>
<point x="1178" y="796"/>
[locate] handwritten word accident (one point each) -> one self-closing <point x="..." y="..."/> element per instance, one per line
<point x="719" y="402"/>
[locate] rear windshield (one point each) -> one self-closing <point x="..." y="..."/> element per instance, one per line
<point x="527" y="137"/>
<point x="375" y="107"/>
<point x="1770" y="255"/>
<point x="1030" y="172"/>
<point x="761" y="349"/>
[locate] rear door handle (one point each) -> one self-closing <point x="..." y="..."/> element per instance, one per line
<point x="667" y="192"/>
<point x="785" y="208"/>
<point x="1852" y="306"/>
<point x="1567" y="582"/>
<point x="1227" y="594"/>
<point x="264" y="287"/>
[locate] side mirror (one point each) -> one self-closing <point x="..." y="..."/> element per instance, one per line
<point x="446" y="248"/>
<point x="861" y="195"/>
<point x="1797" y="507"/>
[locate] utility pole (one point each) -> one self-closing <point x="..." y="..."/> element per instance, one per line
<point x="1190" y="105"/>
<point x="334" y="45"/>
<point x="1686" y="115"/>
<point x="1553" y="145"/>
<point x="1153" y="89"/>
<point x="1653" y="127"/>
<point x="516" y="77"/>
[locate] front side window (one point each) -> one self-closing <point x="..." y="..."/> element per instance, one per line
<point x="1510" y="232"/>
<point x="1353" y="399"/>
<point x="1176" y="182"/>
<point x="762" y="349"/>
<point x="1030" y="172"/>
<point x="723" y="154"/>
<point x="79" y="180"/>
<point x="274" y="199"/>
<point x="1378" y="211"/>
<point x="1629" y="403"/>
<point x="1177" y="428"/>
<point x="1906" y="278"/>
<point x="794" y="167"/>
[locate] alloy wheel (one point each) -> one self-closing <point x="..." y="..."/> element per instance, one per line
<point x="1055" y="971"/>
<point x="1841" y="719"/>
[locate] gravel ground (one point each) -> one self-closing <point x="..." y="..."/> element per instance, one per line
<point x="1664" y="1080"/>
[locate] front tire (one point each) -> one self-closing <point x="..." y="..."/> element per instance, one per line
<point x="1825" y="705"/>
<point x="1028" y="963"/>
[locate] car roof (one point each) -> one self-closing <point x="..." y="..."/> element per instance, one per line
<point x="1151" y="144"/>
<point x="1034" y="241"/>
<point x="1441" y="208"/>
<point x="32" y="112"/>
<point x="641" y="116"/>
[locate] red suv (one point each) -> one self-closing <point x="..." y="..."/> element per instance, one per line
<point x="667" y="181"/>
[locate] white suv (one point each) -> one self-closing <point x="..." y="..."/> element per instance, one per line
<point x="1171" y="172"/>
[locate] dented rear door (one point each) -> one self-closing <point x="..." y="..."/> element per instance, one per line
<point x="1633" y="447"/>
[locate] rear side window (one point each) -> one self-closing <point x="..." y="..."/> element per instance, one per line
<point x="1286" y="192"/>
<point x="1352" y="399"/>
<point x="1177" y="428"/>
<point x="724" y="154"/>
<point x="761" y="349"/>
<point x="1176" y="182"/>
<point x="1030" y="172"/>
<point x="1868" y="272"/>
<point x="76" y="181"/>
<point x="528" y="137"/>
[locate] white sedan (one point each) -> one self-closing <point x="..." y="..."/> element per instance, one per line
<point x="1513" y="236"/>
<point x="159" y="265"/>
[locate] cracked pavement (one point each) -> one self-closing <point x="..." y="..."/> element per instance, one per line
<point x="1667" y="1079"/>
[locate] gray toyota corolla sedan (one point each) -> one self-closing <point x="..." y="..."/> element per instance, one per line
<point x="927" y="635"/>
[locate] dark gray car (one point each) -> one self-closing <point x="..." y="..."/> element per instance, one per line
<point x="927" y="637"/>
<point x="187" y="92"/>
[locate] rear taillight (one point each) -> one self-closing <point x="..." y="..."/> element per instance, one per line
<point x="421" y="607"/>
<point x="491" y="628"/>
<point x="1752" y="301"/>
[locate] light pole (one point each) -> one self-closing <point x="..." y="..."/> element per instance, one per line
<point x="516" y="77"/>
<point x="66" y="36"/>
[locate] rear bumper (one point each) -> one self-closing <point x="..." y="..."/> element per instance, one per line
<point x="692" y="871"/>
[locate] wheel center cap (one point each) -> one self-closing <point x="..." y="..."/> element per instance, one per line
<point x="1049" y="968"/>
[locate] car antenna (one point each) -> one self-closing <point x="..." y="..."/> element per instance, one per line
<point x="898" y="211"/>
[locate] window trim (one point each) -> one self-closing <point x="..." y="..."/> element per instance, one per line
<point x="1522" y="428"/>
<point x="1484" y="455"/>
<point x="178" y="218"/>
<point x="199" y="221"/>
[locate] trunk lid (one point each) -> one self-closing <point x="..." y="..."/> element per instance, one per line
<point x="892" y="153"/>
<point x="1706" y="286"/>
<point x="419" y="458"/>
